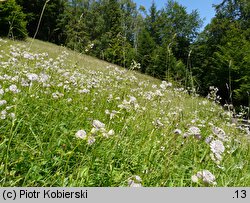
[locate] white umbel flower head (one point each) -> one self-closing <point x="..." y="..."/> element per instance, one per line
<point x="205" y="176"/>
<point x="220" y="133"/>
<point x="32" y="76"/>
<point x="98" y="124"/>
<point x="217" y="147"/>
<point x="135" y="181"/>
<point x="177" y="131"/>
<point x="3" y="102"/>
<point x="81" y="134"/>
<point x="14" y="89"/>
<point x="194" y="131"/>
<point x="111" y="132"/>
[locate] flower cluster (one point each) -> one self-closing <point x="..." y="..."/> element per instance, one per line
<point x="135" y="181"/>
<point x="205" y="177"/>
<point x="97" y="130"/>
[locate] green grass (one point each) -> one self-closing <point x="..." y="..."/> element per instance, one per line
<point x="38" y="125"/>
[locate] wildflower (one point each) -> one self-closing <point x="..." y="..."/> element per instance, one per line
<point x="69" y="100"/>
<point x="219" y="133"/>
<point x="205" y="176"/>
<point x="28" y="56"/>
<point x="3" y="114"/>
<point x="1" y="91"/>
<point x="14" y="89"/>
<point x="177" y="131"/>
<point x="217" y="147"/>
<point x="12" y="115"/>
<point x="94" y="131"/>
<point x="98" y="124"/>
<point x="44" y="77"/>
<point x="194" y="179"/>
<point x="209" y="139"/>
<point x="158" y="123"/>
<point x="91" y="140"/>
<point x="194" y="131"/>
<point x="32" y="76"/>
<point x="81" y="134"/>
<point x="24" y="83"/>
<point x="111" y="132"/>
<point x="135" y="181"/>
<point x="2" y="102"/>
<point x="132" y="100"/>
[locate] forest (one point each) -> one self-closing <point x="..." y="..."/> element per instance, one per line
<point x="167" y="44"/>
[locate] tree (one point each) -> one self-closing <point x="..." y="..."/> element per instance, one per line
<point x="12" y="20"/>
<point x="48" y="29"/>
<point x="222" y="52"/>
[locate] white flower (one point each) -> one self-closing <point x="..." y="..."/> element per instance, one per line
<point x="91" y="140"/>
<point x="111" y="132"/>
<point x="217" y="158"/>
<point x="44" y="77"/>
<point x="1" y="91"/>
<point x="28" y="56"/>
<point x="206" y="176"/>
<point x="177" y="131"/>
<point x="94" y="131"/>
<point x="32" y="76"/>
<point x="158" y="123"/>
<point x="209" y="139"/>
<point x="12" y="115"/>
<point x="132" y="100"/>
<point x="2" y="102"/>
<point x="135" y="181"/>
<point x="98" y="124"/>
<point x="3" y="114"/>
<point x="14" y="89"/>
<point x="219" y="133"/>
<point x="217" y="147"/>
<point x="194" y="131"/>
<point x="195" y="179"/>
<point x="81" y="134"/>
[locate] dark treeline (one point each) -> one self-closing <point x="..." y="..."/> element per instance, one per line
<point x="166" y="43"/>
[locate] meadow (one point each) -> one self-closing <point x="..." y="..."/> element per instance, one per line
<point x="67" y="119"/>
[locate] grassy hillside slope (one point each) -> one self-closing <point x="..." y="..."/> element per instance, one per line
<point x="71" y="120"/>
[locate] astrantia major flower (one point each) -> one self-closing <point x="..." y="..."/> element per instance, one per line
<point x="205" y="176"/>
<point x="209" y="139"/>
<point x="14" y="89"/>
<point x="98" y="124"/>
<point x="32" y="76"/>
<point x="81" y="134"/>
<point x="220" y="133"/>
<point x="91" y="140"/>
<point x="217" y="147"/>
<point x="2" y="102"/>
<point x="177" y="131"/>
<point x="194" y="131"/>
<point x="135" y="181"/>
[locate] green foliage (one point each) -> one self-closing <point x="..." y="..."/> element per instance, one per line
<point x="221" y="54"/>
<point x="49" y="29"/>
<point x="12" y="20"/>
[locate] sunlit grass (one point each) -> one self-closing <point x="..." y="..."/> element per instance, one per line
<point x="58" y="92"/>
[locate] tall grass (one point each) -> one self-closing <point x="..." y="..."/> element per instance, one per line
<point x="72" y="120"/>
